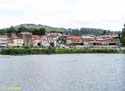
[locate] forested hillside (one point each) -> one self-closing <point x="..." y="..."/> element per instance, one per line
<point x="33" y="28"/>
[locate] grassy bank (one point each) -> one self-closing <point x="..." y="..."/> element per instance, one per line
<point x="25" y="51"/>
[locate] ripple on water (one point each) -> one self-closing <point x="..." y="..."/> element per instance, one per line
<point x="84" y="72"/>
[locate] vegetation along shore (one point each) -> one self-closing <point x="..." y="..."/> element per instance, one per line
<point x="28" y="51"/>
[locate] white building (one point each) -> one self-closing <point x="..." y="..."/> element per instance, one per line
<point x="88" y="37"/>
<point x="50" y="38"/>
<point x="15" y="42"/>
<point x="18" y="42"/>
<point x="3" y="41"/>
<point x="44" y="41"/>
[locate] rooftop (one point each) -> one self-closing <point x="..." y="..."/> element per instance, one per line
<point x="36" y="37"/>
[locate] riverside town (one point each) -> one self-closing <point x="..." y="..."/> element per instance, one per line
<point x="62" y="45"/>
<point x="59" y="40"/>
<point x="41" y="41"/>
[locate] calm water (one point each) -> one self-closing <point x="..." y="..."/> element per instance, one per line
<point x="79" y="72"/>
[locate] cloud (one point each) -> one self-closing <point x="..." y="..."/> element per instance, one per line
<point x="107" y="14"/>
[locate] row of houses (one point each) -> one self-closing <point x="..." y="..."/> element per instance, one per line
<point x="58" y="40"/>
<point x="27" y="39"/>
<point x="93" y="40"/>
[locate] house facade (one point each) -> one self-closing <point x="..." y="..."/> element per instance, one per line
<point x="16" y="42"/>
<point x="3" y="40"/>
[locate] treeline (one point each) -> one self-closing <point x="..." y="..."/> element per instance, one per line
<point x="41" y="29"/>
<point x="24" y="51"/>
<point x="35" y="31"/>
<point x="86" y="31"/>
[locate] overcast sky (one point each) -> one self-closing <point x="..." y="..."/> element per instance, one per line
<point x="106" y="14"/>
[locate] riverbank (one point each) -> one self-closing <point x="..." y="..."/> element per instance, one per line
<point x="27" y="51"/>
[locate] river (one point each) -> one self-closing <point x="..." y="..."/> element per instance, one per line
<point x="66" y="72"/>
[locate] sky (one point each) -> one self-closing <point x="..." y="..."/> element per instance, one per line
<point x="105" y="14"/>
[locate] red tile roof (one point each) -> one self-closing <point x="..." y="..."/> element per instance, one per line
<point x="36" y="37"/>
<point x="109" y="39"/>
<point x="74" y="38"/>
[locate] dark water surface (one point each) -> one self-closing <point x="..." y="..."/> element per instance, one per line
<point x="67" y="72"/>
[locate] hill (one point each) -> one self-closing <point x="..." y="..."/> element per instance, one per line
<point x="83" y="30"/>
<point x="35" y="26"/>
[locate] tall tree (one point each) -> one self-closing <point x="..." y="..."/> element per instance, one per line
<point x="123" y="35"/>
<point x="23" y="29"/>
<point x="40" y="31"/>
<point x="11" y="30"/>
<point x="104" y="32"/>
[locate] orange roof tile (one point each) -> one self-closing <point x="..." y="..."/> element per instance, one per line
<point x="36" y="37"/>
<point x="73" y="38"/>
<point x="109" y="38"/>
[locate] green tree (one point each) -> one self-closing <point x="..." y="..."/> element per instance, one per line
<point x="3" y="31"/>
<point x="11" y="30"/>
<point x="52" y="44"/>
<point x="76" y="32"/>
<point x="23" y="29"/>
<point x="123" y="35"/>
<point x="104" y="32"/>
<point x="35" y="31"/>
<point x="40" y="31"/>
